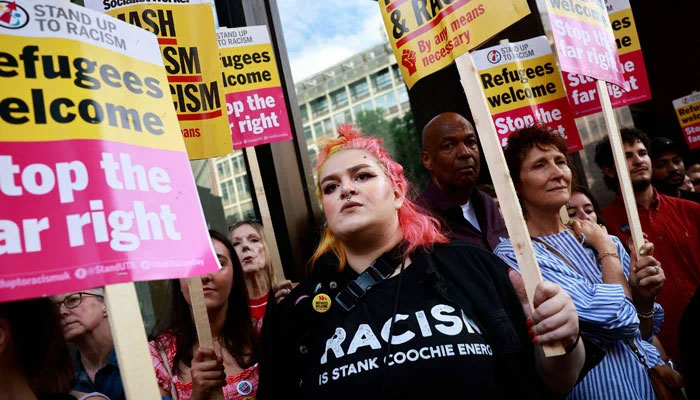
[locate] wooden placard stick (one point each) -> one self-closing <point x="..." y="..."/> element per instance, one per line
<point x="130" y="344"/>
<point x="507" y="198"/>
<point x="265" y="214"/>
<point x="621" y="165"/>
<point x="201" y="322"/>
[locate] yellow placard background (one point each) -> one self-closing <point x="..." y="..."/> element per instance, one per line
<point x="486" y="20"/>
<point x="194" y="26"/>
<point x="537" y="81"/>
<point x="689" y="113"/>
<point x="251" y="68"/>
<point x="21" y="87"/>
<point x="630" y="31"/>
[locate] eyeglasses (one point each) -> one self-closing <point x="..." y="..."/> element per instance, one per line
<point x="74" y="299"/>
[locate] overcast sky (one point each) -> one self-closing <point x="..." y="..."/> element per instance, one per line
<point x="320" y="34"/>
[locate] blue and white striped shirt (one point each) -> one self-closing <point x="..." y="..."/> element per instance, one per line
<point x="606" y="316"/>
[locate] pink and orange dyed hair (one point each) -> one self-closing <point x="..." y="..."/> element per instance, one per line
<point x="418" y="229"/>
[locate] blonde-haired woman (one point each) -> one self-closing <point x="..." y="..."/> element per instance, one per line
<point x="248" y="240"/>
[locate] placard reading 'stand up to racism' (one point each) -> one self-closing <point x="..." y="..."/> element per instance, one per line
<point x="428" y="35"/>
<point x="187" y="39"/>
<point x="523" y="87"/>
<point x="255" y="103"/>
<point x="95" y="183"/>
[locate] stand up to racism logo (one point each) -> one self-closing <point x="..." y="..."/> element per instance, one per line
<point x="12" y="15"/>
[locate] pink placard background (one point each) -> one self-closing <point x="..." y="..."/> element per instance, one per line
<point x="57" y="267"/>
<point x="274" y="122"/>
<point x="565" y="125"/>
<point x="692" y="135"/>
<point x="582" y="64"/>
<point x="583" y="96"/>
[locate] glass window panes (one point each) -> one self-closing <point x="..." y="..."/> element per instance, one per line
<point x="304" y="112"/>
<point x="312" y="155"/>
<point x="397" y="73"/>
<point x="319" y="106"/>
<point x="343" y="117"/>
<point x="242" y="187"/>
<point x="387" y="102"/>
<point x="238" y="164"/>
<point x="403" y="94"/>
<point x="359" y="89"/>
<point x="366" y="106"/>
<point x="339" y="98"/>
<point x="307" y="132"/>
<point x="227" y="192"/>
<point x="224" y="169"/>
<point x="381" y="80"/>
<point x="318" y="128"/>
<point x="247" y="210"/>
<point x="328" y="128"/>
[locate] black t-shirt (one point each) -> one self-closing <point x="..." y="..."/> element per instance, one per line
<point x="436" y="348"/>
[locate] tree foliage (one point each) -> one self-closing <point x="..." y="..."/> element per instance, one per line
<point x="401" y="139"/>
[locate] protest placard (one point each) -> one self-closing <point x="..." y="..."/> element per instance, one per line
<point x="584" y="39"/>
<point x="688" y="113"/>
<point x="581" y="89"/>
<point x="187" y="38"/>
<point x="95" y="183"/>
<point x="522" y="85"/>
<point x="428" y="36"/>
<point x="255" y="103"/>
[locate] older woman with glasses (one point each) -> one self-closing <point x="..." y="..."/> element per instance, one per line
<point x="84" y="322"/>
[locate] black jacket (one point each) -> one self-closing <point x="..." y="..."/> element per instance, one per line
<point x="449" y="212"/>
<point x="460" y="273"/>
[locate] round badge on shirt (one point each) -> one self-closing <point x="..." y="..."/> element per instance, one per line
<point x="244" y="388"/>
<point x="322" y="303"/>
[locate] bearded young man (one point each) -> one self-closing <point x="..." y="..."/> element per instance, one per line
<point x="672" y="224"/>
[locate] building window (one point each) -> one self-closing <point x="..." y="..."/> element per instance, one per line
<point x="339" y="98"/>
<point x="312" y="155"/>
<point x="242" y="186"/>
<point x="403" y="95"/>
<point x="224" y="169"/>
<point x="248" y="210"/>
<point x="387" y="102"/>
<point x="319" y="106"/>
<point x="227" y="192"/>
<point x="304" y="113"/>
<point x="343" y="117"/>
<point x="307" y="133"/>
<point x="328" y="128"/>
<point x="397" y="73"/>
<point x="359" y="89"/>
<point x="318" y="129"/>
<point x="366" y="106"/>
<point x="381" y="80"/>
<point x="238" y="163"/>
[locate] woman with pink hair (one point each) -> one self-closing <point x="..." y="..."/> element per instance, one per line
<point x="394" y="310"/>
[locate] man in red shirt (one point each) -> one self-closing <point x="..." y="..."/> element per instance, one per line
<point x="672" y="224"/>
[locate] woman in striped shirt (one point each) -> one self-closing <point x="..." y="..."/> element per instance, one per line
<point x="615" y="305"/>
